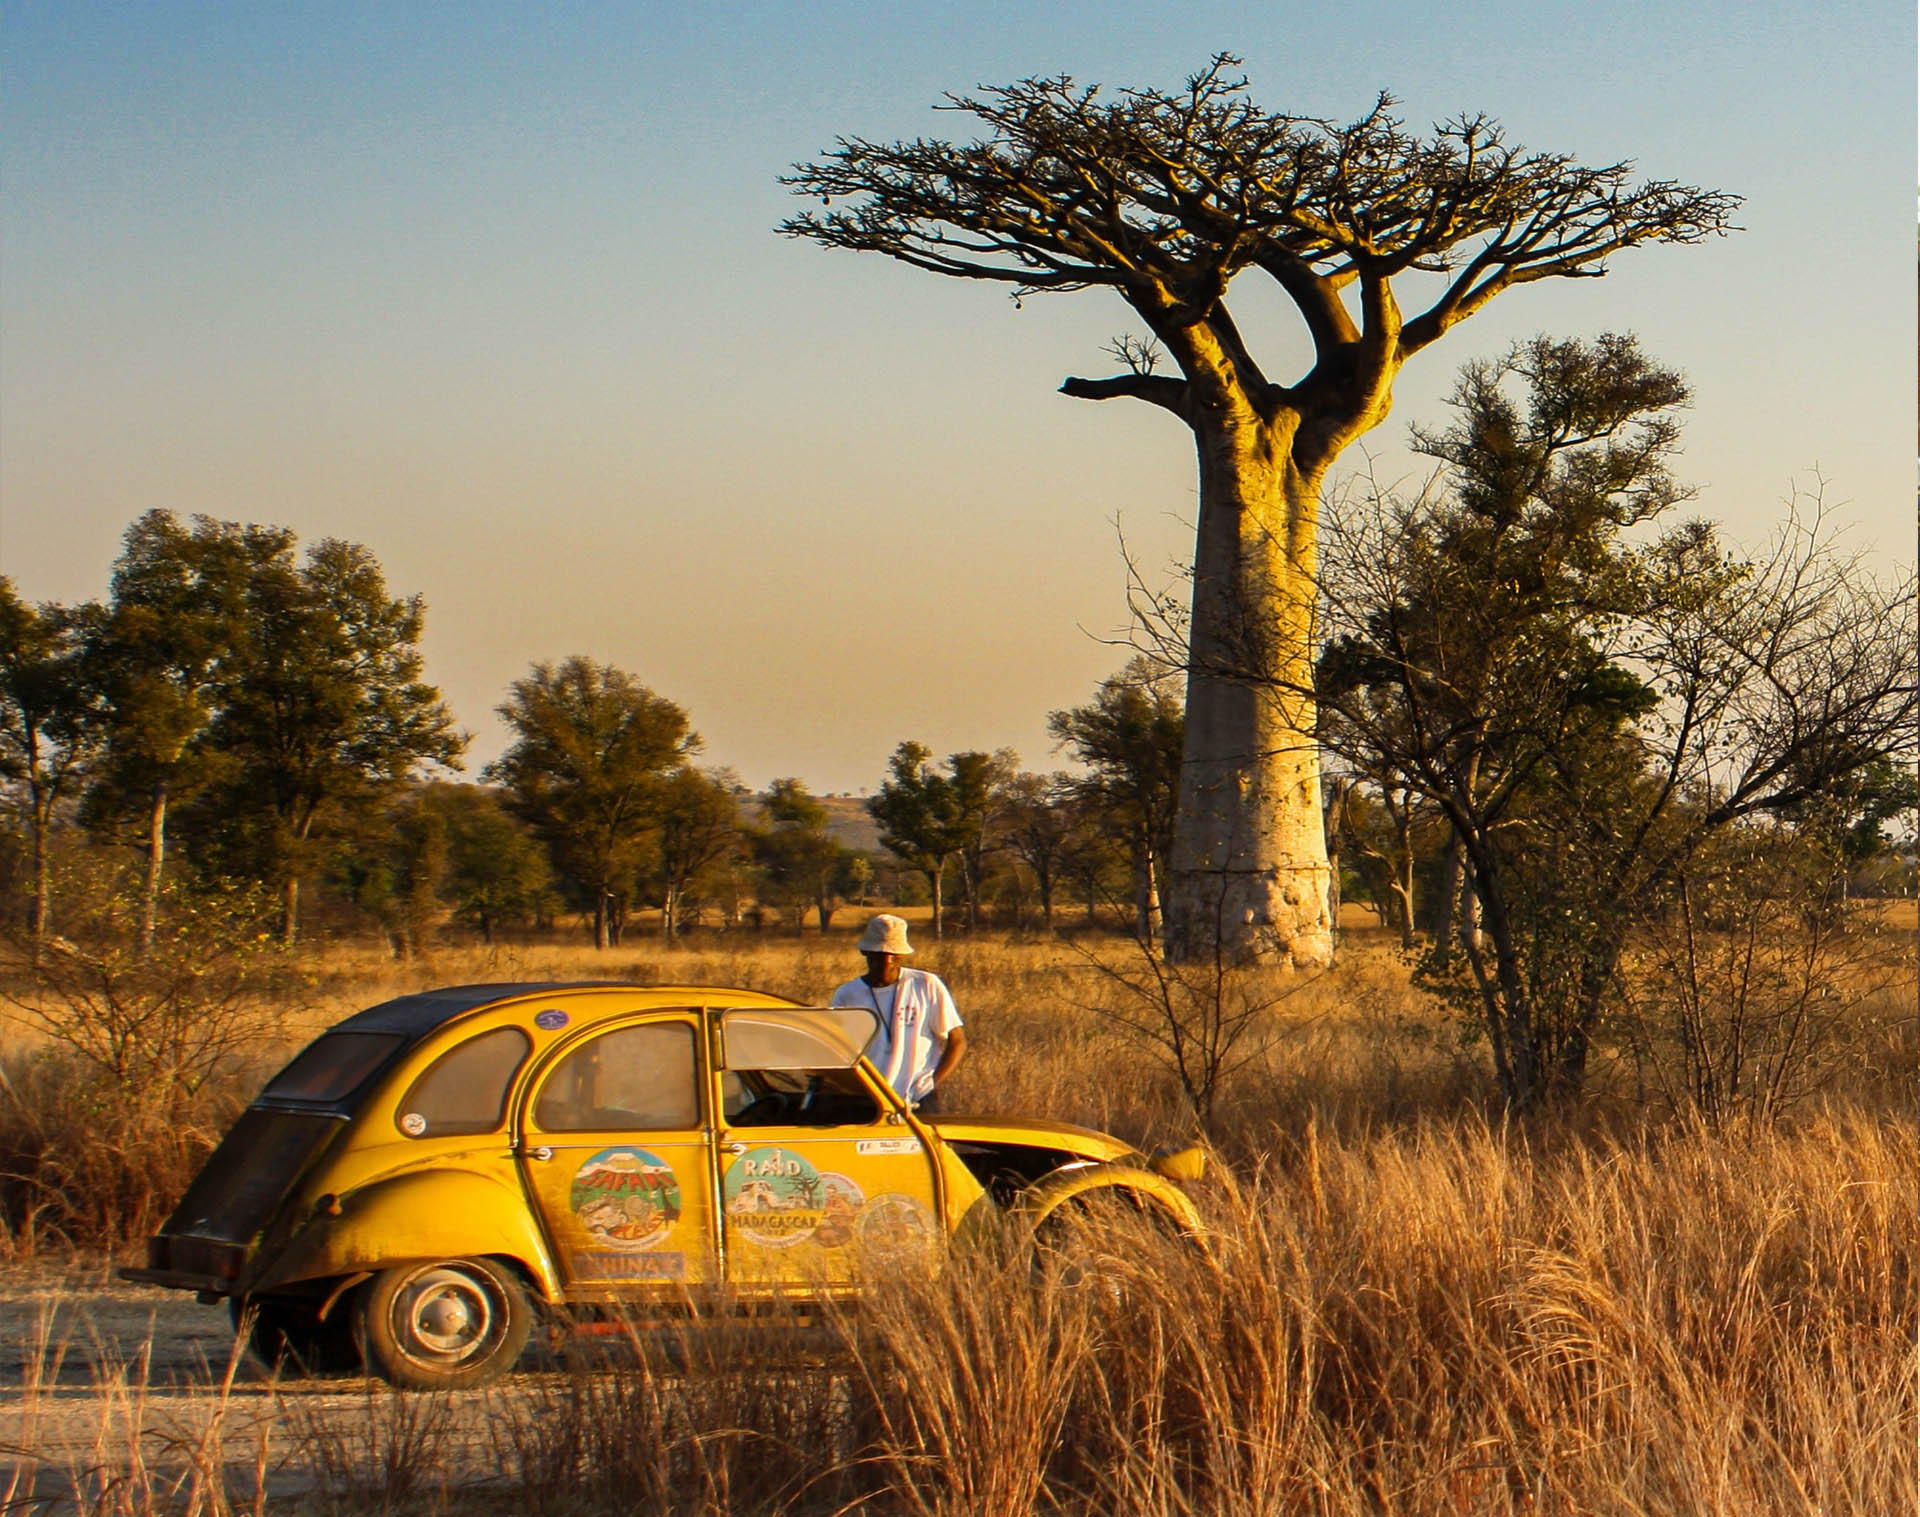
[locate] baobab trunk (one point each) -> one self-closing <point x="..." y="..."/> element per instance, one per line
<point x="1249" y="870"/>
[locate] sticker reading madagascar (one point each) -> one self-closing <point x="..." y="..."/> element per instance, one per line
<point x="774" y="1197"/>
<point x="626" y="1198"/>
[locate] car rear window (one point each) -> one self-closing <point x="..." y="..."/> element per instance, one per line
<point x="332" y="1067"/>
<point x="465" y="1089"/>
<point x="259" y="1161"/>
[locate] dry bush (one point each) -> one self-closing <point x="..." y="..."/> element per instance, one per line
<point x="81" y="1168"/>
<point x="727" y="1417"/>
<point x="1742" y="1003"/>
<point x="1431" y="1320"/>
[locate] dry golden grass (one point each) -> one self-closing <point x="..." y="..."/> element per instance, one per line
<point x="1407" y="1307"/>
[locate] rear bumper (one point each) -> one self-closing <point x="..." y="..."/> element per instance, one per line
<point x="171" y="1279"/>
<point x="183" y="1262"/>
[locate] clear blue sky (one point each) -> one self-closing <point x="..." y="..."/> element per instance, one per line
<point x="493" y="289"/>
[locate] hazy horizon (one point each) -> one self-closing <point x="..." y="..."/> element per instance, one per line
<point x="495" y="291"/>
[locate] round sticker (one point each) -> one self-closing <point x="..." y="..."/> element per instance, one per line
<point x="413" y="1124"/>
<point x="774" y="1198"/>
<point x="550" y="1020"/>
<point x="895" y="1224"/>
<point x="840" y="1205"/>
<point x="626" y="1198"/>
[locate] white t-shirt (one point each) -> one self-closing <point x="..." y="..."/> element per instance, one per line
<point x="917" y="1016"/>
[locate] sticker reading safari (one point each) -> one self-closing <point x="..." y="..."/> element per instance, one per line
<point x="626" y="1198"/>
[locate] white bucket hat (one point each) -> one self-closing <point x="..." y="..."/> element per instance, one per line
<point x="886" y="934"/>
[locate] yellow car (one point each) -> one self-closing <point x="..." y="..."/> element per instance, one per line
<point x="428" y="1175"/>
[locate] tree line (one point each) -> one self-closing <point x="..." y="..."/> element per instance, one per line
<point x="1580" y="756"/>
<point x="237" y="715"/>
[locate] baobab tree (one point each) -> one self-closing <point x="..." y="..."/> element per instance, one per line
<point x="1163" y="198"/>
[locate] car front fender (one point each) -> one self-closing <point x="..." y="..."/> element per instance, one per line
<point x="1154" y="1193"/>
<point x="428" y="1214"/>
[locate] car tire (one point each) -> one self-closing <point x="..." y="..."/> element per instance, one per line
<point x="1073" y="1247"/>
<point x="442" y="1325"/>
<point x="288" y="1336"/>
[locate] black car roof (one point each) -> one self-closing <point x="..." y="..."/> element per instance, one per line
<point x="415" y="1015"/>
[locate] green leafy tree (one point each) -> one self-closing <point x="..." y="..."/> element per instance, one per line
<point x="1130" y="737"/>
<point x="497" y="872"/>
<point x="394" y="866"/>
<point x="157" y="653"/>
<point x="46" y="731"/>
<point x="1165" y="198"/>
<point x="979" y="784"/>
<point x="591" y="747"/>
<point x="1038" y="823"/>
<point x="321" y="707"/>
<point x="923" y="821"/>
<point x="700" y="834"/>
<point x="802" y="865"/>
<point x="1588" y="705"/>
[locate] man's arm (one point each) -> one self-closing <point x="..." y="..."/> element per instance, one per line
<point x="950" y="1056"/>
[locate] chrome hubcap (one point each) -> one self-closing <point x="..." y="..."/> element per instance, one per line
<point x="448" y="1315"/>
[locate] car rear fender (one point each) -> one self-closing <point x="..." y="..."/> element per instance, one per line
<point x="428" y="1214"/>
<point x="1153" y="1193"/>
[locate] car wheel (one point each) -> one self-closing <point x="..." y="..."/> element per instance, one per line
<point x="444" y="1325"/>
<point x="1079" y="1247"/>
<point x="288" y="1336"/>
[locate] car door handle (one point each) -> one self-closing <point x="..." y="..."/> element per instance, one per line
<point x="733" y="1148"/>
<point x="542" y="1153"/>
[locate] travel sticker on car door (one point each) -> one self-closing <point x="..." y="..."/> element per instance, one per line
<point x="895" y="1225"/>
<point x="774" y="1197"/>
<point x="626" y="1198"/>
<point x="840" y="1205"/>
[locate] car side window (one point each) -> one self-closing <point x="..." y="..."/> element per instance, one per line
<point x="633" y="1077"/>
<point x="798" y="1098"/>
<point x="465" y="1089"/>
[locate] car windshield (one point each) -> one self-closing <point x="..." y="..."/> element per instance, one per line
<point x="813" y="1037"/>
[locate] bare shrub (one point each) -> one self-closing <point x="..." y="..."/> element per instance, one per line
<point x="1753" y="991"/>
<point x="1203" y="1019"/>
<point x="147" y="1054"/>
<point x="156" y="1023"/>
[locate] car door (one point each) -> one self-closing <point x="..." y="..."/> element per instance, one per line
<point x="617" y="1155"/>
<point x="822" y="1172"/>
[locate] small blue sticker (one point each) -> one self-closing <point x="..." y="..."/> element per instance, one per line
<point x="551" y="1019"/>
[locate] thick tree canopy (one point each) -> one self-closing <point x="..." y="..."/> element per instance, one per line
<point x="591" y="748"/>
<point x="1590" y="707"/>
<point x="1166" y="196"/>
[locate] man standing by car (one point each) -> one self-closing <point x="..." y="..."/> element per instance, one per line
<point x="921" y="1040"/>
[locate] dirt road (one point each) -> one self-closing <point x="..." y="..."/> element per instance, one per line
<point x="102" y="1381"/>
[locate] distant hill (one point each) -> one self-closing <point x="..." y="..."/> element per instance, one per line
<point x="849" y="823"/>
<point x="847" y="820"/>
